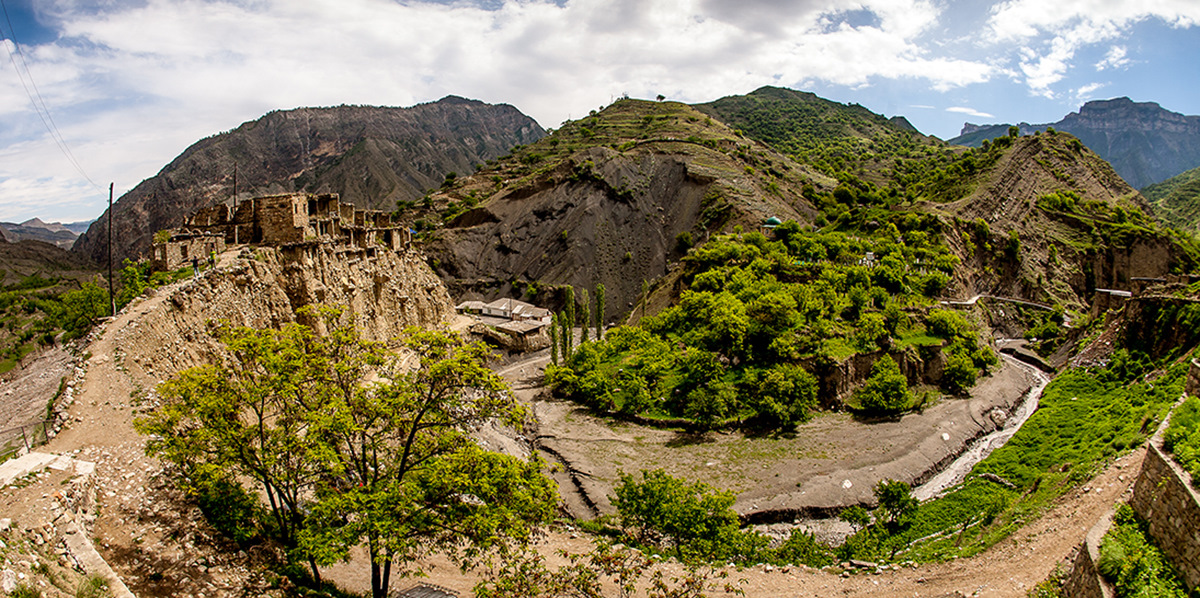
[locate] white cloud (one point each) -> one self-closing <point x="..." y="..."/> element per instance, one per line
<point x="1056" y="31"/>
<point x="1086" y="92"/>
<point x="172" y="71"/>
<point x="969" y="112"/>
<point x="1115" y="59"/>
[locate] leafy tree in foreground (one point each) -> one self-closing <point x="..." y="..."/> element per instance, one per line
<point x="594" y="574"/>
<point x="351" y="449"/>
<point x="690" y="516"/>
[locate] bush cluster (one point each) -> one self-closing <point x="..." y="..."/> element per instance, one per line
<point x="761" y="316"/>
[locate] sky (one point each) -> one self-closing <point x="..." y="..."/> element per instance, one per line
<point x="95" y="92"/>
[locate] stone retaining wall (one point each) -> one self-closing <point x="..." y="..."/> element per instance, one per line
<point x="1164" y="497"/>
<point x="1085" y="580"/>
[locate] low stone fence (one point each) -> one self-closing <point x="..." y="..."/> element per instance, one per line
<point x="1085" y="580"/>
<point x="1165" y="498"/>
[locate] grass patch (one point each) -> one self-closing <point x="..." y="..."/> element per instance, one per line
<point x="1131" y="560"/>
<point x="1183" y="437"/>
<point x="1085" y="418"/>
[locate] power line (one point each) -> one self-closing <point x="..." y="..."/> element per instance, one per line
<point x="35" y="97"/>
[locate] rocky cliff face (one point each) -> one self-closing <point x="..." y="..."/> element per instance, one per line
<point x="371" y="156"/>
<point x="1144" y="143"/>
<point x="384" y="294"/>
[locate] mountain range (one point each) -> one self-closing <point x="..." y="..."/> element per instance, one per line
<point x="1145" y="143"/>
<point x="56" y="233"/>
<point x="619" y="196"/>
<point x="371" y="156"/>
<point x="681" y="172"/>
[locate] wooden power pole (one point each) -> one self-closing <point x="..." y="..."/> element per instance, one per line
<point x="112" y="299"/>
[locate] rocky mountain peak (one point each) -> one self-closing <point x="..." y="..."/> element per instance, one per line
<point x="371" y="156"/>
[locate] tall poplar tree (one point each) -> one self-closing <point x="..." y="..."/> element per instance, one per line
<point x="600" y="311"/>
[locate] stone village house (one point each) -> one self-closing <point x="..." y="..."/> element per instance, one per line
<point x="277" y="220"/>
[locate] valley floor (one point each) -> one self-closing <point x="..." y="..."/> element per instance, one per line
<point x="159" y="546"/>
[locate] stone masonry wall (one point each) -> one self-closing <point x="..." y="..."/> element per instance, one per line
<point x="1161" y="496"/>
<point x="1084" y="580"/>
<point x="1164" y="497"/>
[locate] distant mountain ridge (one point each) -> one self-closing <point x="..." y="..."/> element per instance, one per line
<point x="371" y="156"/>
<point x="1145" y="143"/>
<point x="55" y="233"/>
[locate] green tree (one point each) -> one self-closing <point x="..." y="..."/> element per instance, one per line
<point x="886" y="390"/>
<point x="691" y="517"/>
<point x="567" y="321"/>
<point x="600" y="311"/>
<point x="248" y="419"/>
<point x="856" y="516"/>
<point x="896" y="502"/>
<point x="960" y="371"/>
<point x="783" y="395"/>
<point x="554" y="339"/>
<point x="585" y="312"/>
<point x="351" y="449"/>
<point x="77" y="311"/>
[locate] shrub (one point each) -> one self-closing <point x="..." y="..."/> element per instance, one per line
<point x="1133" y="563"/>
<point x="25" y="591"/>
<point x="227" y="506"/>
<point x="960" y="372"/>
<point x="803" y="549"/>
<point x="93" y="586"/>
<point x="691" y="517"/>
<point x="886" y="390"/>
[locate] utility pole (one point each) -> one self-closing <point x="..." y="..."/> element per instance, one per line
<point x="112" y="299"/>
<point x="235" y="226"/>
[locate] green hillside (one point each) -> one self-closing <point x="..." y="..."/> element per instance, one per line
<point x="1177" y="200"/>
<point x="866" y="152"/>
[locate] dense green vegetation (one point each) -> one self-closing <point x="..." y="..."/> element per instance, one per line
<point x="762" y="317"/>
<point x="37" y="310"/>
<point x="1182" y="437"/>
<point x="863" y="150"/>
<point x="695" y="523"/>
<point x="1115" y="223"/>
<point x="1177" y="200"/>
<point x="1085" y="417"/>
<point x="1133" y="563"/>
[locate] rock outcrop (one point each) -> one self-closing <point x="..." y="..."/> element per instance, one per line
<point x="265" y="286"/>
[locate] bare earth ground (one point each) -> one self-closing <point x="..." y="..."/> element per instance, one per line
<point x="832" y="461"/>
<point x="158" y="543"/>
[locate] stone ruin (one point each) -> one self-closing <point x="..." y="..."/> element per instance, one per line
<point x="294" y="218"/>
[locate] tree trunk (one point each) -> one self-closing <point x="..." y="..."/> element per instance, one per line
<point x="387" y="573"/>
<point x="312" y="564"/>
<point x="377" y="590"/>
